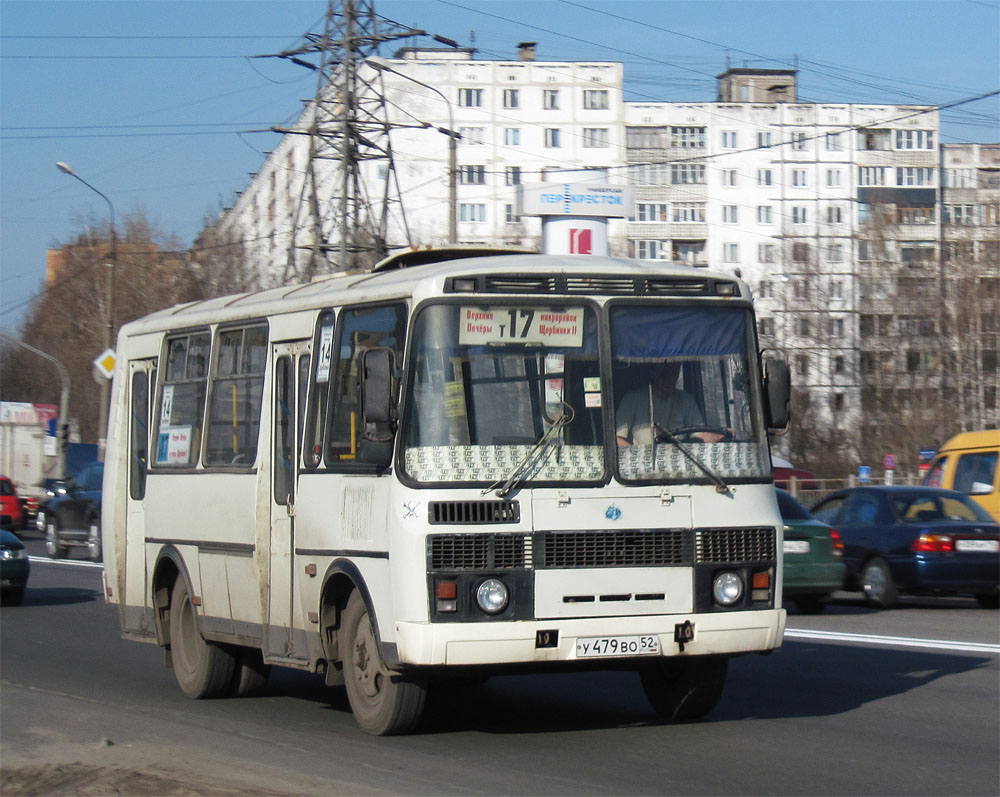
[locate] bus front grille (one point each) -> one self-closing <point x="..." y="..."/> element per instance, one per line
<point x="473" y="512"/>
<point x="478" y="551"/>
<point x="625" y="548"/>
<point x="717" y="546"/>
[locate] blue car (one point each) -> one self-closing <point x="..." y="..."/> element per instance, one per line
<point x="919" y="540"/>
<point x="73" y="517"/>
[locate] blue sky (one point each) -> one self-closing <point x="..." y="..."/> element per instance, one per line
<point x="150" y="101"/>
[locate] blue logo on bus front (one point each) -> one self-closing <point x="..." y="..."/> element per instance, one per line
<point x="613" y="513"/>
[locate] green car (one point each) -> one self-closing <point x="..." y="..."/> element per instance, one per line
<point x="14" y="569"/>
<point x="813" y="557"/>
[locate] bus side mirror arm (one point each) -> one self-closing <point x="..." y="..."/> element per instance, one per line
<point x="777" y="391"/>
<point x="378" y="403"/>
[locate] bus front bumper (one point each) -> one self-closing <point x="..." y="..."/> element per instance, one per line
<point x="539" y="641"/>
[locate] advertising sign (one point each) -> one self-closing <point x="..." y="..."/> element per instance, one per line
<point x="574" y="199"/>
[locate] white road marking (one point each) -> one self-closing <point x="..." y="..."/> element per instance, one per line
<point x="894" y="641"/>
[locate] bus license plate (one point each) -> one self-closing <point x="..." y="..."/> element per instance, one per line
<point x="590" y="647"/>
<point x="989" y="546"/>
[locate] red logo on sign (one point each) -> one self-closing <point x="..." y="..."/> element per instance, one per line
<point x="579" y="242"/>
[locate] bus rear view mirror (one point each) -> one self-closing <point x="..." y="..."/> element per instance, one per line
<point x="377" y="405"/>
<point x="778" y="389"/>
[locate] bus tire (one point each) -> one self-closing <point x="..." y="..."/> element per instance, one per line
<point x="203" y="669"/>
<point x="383" y="703"/>
<point x="250" y="673"/>
<point x="682" y="689"/>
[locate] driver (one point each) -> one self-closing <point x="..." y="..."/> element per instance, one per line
<point x="671" y="408"/>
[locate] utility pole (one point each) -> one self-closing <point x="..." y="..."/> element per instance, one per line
<point x="347" y="123"/>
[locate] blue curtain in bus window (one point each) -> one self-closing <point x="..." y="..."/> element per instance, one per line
<point x="659" y="333"/>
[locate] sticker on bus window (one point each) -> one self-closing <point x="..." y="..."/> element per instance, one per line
<point x="325" y="354"/>
<point x="173" y="446"/>
<point x="166" y="406"/>
<point x="555" y="363"/>
<point x="534" y="325"/>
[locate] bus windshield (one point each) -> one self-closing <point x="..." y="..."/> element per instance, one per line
<point x="498" y="391"/>
<point x="685" y="397"/>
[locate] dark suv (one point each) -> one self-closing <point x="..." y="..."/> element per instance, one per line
<point x="73" y="518"/>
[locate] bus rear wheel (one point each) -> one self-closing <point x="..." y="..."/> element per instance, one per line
<point x="383" y="702"/>
<point x="682" y="689"/>
<point x="203" y="669"/>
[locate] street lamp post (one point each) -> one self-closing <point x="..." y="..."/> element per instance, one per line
<point x="109" y="327"/>
<point x="380" y="66"/>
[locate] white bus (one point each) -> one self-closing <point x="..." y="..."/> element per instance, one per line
<point x="489" y="464"/>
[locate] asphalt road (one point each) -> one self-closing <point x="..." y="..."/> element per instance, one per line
<point x="844" y="707"/>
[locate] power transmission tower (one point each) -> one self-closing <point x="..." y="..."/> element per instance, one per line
<point x="347" y="125"/>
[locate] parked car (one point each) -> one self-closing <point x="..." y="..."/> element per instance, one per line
<point x="14" y="569"/>
<point x="73" y="518"/>
<point x="11" y="510"/>
<point x="813" y="557"/>
<point x="921" y="540"/>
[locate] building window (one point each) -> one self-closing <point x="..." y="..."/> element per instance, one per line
<point x="652" y="250"/>
<point x="767" y="253"/>
<point x="765" y="290"/>
<point x="730" y="253"/>
<point x="764" y="214"/>
<point x="800" y="177"/>
<point x="800" y="288"/>
<point x="650" y="211"/>
<point x="730" y="214"/>
<point x="871" y="175"/>
<point x="800" y="254"/>
<point x="834" y="214"/>
<point x="470" y="98"/>
<point x="471" y="135"/>
<point x="595" y="99"/>
<point x="512" y="136"/>
<point x="839" y="364"/>
<point x="874" y="140"/>
<point x="837" y="402"/>
<point x="689" y="251"/>
<point x="511" y="98"/>
<point x="802" y="327"/>
<point x="551" y="136"/>
<point x="687" y="173"/>
<point x="798" y="141"/>
<point x="914" y="175"/>
<point x="836" y="327"/>
<point x="802" y="365"/>
<point x="765" y="326"/>
<point x="833" y="142"/>
<point x="687" y="137"/>
<point x="688" y="211"/>
<point x="512" y="175"/>
<point x="595" y="137"/>
<point x="837" y="287"/>
<point x="509" y="216"/>
<point x="918" y="215"/>
<point x="729" y="177"/>
<point x="649" y="174"/>
<point x="471" y="211"/>
<point x="835" y="254"/>
<point x="729" y="139"/>
<point x="914" y="253"/>
<point x="959" y="178"/>
<point x="550" y="99"/>
<point x="645" y="137"/>
<point x="914" y="139"/>
<point x="960" y="214"/>
<point x="799" y="214"/>
<point x="833" y="179"/>
<point x="472" y="175"/>
<point x="764" y="177"/>
<point x="763" y="141"/>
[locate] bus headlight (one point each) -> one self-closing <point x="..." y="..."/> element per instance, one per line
<point x="492" y="596"/>
<point x="727" y="588"/>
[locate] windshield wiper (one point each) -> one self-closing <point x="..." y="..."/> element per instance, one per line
<point x="664" y="435"/>
<point x="534" y="455"/>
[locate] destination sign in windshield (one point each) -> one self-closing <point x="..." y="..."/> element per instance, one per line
<point x="494" y="325"/>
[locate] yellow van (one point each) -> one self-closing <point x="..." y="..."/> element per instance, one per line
<point x="968" y="463"/>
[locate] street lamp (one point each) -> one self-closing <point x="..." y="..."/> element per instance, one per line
<point x="109" y="328"/>
<point x="380" y="66"/>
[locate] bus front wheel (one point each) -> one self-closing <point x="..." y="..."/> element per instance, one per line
<point x="383" y="702"/>
<point x="683" y="689"/>
<point x="203" y="669"/>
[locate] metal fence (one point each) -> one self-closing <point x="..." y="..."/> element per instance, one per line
<point x="810" y="492"/>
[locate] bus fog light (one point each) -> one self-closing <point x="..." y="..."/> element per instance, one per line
<point x="492" y="596"/>
<point x="727" y="588"/>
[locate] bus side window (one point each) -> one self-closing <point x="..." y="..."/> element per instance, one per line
<point x="237" y="387"/>
<point x="139" y="435"/>
<point x="315" y="410"/>
<point x="360" y="329"/>
<point x="181" y="408"/>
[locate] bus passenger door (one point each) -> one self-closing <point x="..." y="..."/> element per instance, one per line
<point x="291" y="369"/>
<point x="135" y="597"/>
